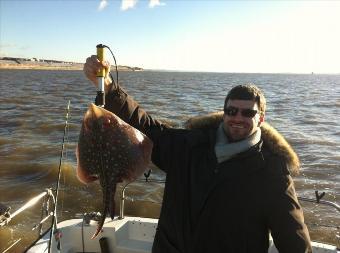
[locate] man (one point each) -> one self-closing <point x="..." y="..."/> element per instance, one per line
<point x="228" y="182"/>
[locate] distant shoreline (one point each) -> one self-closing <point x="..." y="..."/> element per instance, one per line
<point x="22" y="65"/>
<point x="30" y="67"/>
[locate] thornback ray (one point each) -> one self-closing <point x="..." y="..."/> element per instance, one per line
<point x="112" y="151"/>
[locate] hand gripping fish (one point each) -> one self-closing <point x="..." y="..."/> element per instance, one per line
<point x="111" y="150"/>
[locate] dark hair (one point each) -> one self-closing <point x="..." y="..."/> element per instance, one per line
<point x="247" y="92"/>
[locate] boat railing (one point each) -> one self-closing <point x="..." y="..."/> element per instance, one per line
<point x="318" y="200"/>
<point x="123" y="197"/>
<point x="6" y="216"/>
<point x="47" y="198"/>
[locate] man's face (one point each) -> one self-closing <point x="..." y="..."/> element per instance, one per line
<point x="239" y="127"/>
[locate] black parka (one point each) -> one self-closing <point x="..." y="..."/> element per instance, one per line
<point x="216" y="207"/>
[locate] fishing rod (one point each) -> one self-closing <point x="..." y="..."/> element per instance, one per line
<point x="101" y="77"/>
<point x="54" y="229"/>
<point x="100" y="101"/>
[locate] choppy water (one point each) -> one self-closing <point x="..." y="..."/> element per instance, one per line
<point x="304" y="108"/>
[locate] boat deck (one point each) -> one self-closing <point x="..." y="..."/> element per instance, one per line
<point x="128" y="235"/>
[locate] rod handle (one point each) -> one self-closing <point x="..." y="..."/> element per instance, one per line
<point x="101" y="58"/>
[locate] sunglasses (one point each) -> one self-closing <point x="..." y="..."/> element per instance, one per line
<point x="232" y="112"/>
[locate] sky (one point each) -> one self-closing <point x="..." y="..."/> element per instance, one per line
<point x="203" y="35"/>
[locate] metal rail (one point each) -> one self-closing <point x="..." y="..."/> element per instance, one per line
<point x="318" y="200"/>
<point x="12" y="245"/>
<point x="323" y="202"/>
<point x="45" y="214"/>
<point x="123" y="198"/>
<point x="27" y="205"/>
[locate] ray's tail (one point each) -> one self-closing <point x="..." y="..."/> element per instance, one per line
<point x="109" y="206"/>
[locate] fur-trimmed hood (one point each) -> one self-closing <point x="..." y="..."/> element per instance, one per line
<point x="271" y="137"/>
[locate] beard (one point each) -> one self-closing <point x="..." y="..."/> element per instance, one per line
<point x="237" y="131"/>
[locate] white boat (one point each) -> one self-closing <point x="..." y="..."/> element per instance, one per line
<point x="127" y="235"/>
<point x="121" y="235"/>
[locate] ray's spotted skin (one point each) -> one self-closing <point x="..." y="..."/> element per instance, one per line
<point x="112" y="151"/>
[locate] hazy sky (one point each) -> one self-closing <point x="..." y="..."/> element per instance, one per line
<point x="222" y="36"/>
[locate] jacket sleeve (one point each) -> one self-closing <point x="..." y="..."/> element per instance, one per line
<point x="125" y="107"/>
<point x="285" y="219"/>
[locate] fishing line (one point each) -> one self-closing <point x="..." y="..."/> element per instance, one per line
<point x="54" y="217"/>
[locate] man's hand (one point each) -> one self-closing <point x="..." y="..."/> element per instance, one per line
<point x="93" y="66"/>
